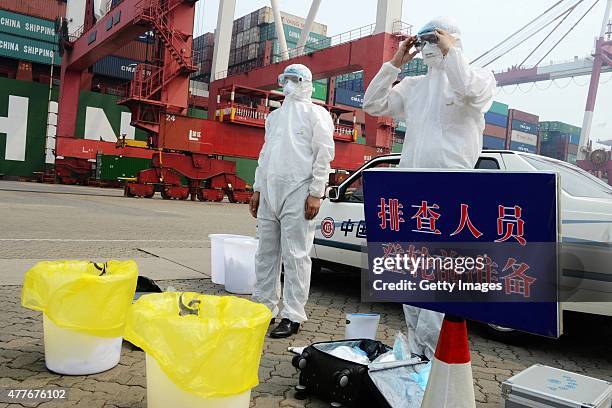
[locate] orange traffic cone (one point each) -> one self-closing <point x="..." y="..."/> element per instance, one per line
<point x="450" y="382"/>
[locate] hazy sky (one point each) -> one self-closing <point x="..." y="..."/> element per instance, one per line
<point x="483" y="24"/>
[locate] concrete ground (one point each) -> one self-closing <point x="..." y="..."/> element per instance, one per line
<point x="169" y="240"/>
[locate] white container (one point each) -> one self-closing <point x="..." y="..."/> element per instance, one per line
<point x="361" y="325"/>
<point x="163" y="393"/>
<point x="544" y="386"/>
<point x="217" y="259"/>
<point x="72" y="353"/>
<point x="240" y="265"/>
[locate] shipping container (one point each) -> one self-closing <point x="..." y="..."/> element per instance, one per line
<point x="571" y="158"/>
<point x="292" y="35"/>
<point x="28" y="49"/>
<point x="349" y="98"/>
<point x="524" y="116"/>
<point x="27" y="26"/>
<point x="136" y="50"/>
<point x="491" y="142"/>
<point x="45" y="9"/>
<point x="245" y="168"/>
<point x="495" y="131"/>
<point x="320" y="90"/>
<point x="265" y="16"/>
<point x="575" y="138"/>
<point x="499" y="108"/>
<point x="525" y="127"/>
<point x="572" y="149"/>
<point x="115" y="67"/>
<point x="555" y="126"/>
<point x="523" y="137"/>
<point x="111" y="168"/>
<point x="523" y="147"/>
<point x="496" y="119"/>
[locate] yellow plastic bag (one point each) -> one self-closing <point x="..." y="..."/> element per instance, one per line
<point x="209" y="346"/>
<point x="82" y="296"/>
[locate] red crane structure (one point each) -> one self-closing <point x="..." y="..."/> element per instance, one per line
<point x="191" y="148"/>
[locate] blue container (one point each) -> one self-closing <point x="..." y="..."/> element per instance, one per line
<point x="496" y="119"/>
<point x="522" y="147"/>
<point x="492" y="142"/>
<point x="115" y="67"/>
<point x="575" y="139"/>
<point x="531" y="128"/>
<point x="349" y="98"/>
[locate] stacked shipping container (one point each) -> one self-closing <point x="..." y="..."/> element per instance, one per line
<point x="523" y="129"/>
<point x="559" y="140"/>
<point x="496" y="123"/>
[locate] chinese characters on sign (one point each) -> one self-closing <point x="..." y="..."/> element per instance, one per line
<point x="509" y="222"/>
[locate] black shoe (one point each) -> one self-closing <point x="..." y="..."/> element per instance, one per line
<point x="285" y="329"/>
<point x="272" y="321"/>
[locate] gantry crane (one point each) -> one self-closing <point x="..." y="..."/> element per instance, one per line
<point x="192" y="148"/>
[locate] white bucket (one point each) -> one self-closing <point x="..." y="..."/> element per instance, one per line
<point x="162" y="393"/>
<point x="217" y="260"/>
<point x="240" y="265"/>
<point x="72" y="353"/>
<point x="361" y="325"/>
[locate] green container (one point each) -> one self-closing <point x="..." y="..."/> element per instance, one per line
<point x="320" y="90"/>
<point x="555" y="126"/>
<point x="26" y="26"/>
<point x="197" y="113"/>
<point x="245" y="168"/>
<point x="111" y="168"/>
<point x="397" y="148"/>
<point x="499" y="108"/>
<point x="28" y="49"/>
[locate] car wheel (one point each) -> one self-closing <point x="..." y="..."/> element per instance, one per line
<point x="504" y="334"/>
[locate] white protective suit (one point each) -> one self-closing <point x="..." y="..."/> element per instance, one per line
<point x="444" y="114"/>
<point x="294" y="163"/>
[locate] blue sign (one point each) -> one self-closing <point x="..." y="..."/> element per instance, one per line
<point x="502" y="227"/>
<point x="525" y="127"/>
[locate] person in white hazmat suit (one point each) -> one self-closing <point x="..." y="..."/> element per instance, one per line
<point x="290" y="178"/>
<point x="444" y="115"/>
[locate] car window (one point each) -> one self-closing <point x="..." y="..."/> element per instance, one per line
<point x="574" y="180"/>
<point x="354" y="191"/>
<point x="487" y="163"/>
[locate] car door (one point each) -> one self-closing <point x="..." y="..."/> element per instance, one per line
<point x="340" y="231"/>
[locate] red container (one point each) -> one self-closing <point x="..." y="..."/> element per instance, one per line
<point x="572" y="149"/>
<point x="47" y="9"/>
<point x="524" y="116"/>
<point x="495" y="131"/>
<point x="136" y="50"/>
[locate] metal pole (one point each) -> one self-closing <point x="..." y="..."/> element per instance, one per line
<point x="280" y="32"/>
<point x="314" y="8"/>
<point x="593" y="86"/>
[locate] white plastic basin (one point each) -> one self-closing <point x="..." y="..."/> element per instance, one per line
<point x="217" y="260"/>
<point x="72" y="353"/>
<point x="240" y="265"/>
<point x="163" y="393"/>
<point x="361" y="325"/>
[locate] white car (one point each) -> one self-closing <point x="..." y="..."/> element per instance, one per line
<point x="586" y="218"/>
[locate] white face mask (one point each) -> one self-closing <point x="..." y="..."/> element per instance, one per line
<point x="432" y="55"/>
<point x="289" y="88"/>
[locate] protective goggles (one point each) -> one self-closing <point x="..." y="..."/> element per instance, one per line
<point x="284" y="78"/>
<point x="422" y="39"/>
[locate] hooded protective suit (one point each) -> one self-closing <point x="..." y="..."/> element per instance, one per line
<point x="294" y="163"/>
<point x="444" y="115"/>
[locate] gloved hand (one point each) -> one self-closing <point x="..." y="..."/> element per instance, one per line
<point x="445" y="41"/>
<point x="254" y="204"/>
<point x="312" y="207"/>
<point x="403" y="55"/>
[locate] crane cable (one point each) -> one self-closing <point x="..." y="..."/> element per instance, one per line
<point x="568" y="31"/>
<point x="567" y="14"/>
<point x="520" y="42"/>
<point x="517" y="32"/>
